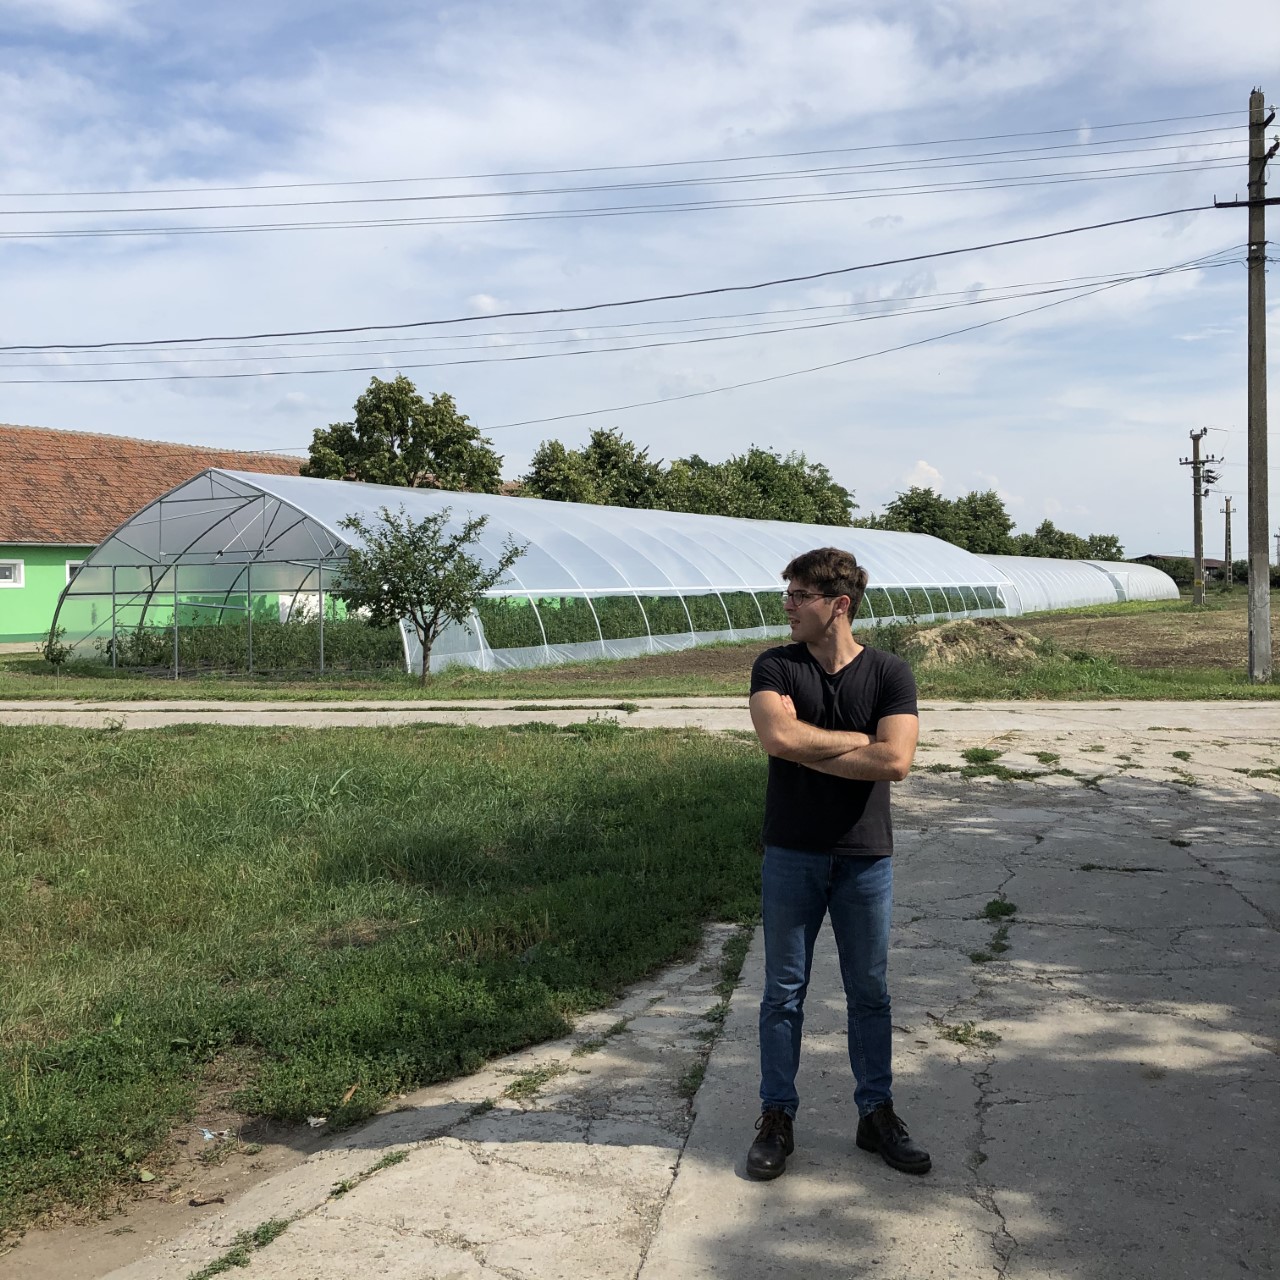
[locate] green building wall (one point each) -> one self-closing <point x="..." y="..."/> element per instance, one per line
<point x="26" y="612"/>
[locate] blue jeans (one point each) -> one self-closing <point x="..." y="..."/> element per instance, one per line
<point x="799" y="889"/>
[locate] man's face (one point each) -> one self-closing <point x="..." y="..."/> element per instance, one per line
<point x="809" y="611"/>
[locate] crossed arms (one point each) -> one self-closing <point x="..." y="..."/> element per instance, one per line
<point x="885" y="757"/>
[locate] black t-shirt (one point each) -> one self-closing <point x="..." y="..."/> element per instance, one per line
<point x="805" y="809"/>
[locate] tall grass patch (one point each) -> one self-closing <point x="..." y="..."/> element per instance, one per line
<point x="375" y="909"/>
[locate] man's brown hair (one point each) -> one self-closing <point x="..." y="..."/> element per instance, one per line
<point x="832" y="572"/>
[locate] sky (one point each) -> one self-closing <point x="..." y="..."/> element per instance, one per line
<point x="776" y="141"/>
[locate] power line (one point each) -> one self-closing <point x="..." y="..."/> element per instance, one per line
<point x="755" y="331"/>
<point x="642" y="346"/>
<point x="796" y="373"/>
<point x="617" y="211"/>
<point x="661" y="164"/>
<point x="627" y="302"/>
<point x="770" y="314"/>
<point x="778" y="175"/>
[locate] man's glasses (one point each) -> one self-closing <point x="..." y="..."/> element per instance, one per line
<point x="803" y="597"/>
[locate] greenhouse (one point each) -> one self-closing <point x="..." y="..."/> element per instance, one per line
<point x="237" y="570"/>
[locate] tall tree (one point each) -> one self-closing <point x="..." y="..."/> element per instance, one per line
<point x="610" y="471"/>
<point x="399" y="437"/>
<point x="1049" y="540"/>
<point x="1103" y="546"/>
<point x="775" y="487"/>
<point x="981" y="523"/>
<point x="413" y="569"/>
<point x="918" y="510"/>
<point x="757" y="485"/>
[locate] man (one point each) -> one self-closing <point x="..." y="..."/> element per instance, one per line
<point x="839" y="722"/>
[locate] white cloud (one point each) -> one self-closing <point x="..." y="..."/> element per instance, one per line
<point x="74" y="15"/>
<point x="923" y="476"/>
<point x="408" y="90"/>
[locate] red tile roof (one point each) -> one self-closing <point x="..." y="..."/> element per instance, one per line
<point x="75" y="487"/>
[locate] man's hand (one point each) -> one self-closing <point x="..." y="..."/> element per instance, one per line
<point x="783" y="734"/>
<point x="887" y="759"/>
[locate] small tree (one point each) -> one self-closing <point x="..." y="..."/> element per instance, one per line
<point x="412" y="569"/>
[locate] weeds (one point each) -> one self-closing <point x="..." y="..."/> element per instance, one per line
<point x="596" y="1043"/>
<point x="242" y="1247"/>
<point x="969" y="1034"/>
<point x="997" y="909"/>
<point x="529" y="1084"/>
<point x="691" y="1081"/>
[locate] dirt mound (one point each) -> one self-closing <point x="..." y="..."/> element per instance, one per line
<point x="989" y="639"/>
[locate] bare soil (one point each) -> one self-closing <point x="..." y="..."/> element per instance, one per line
<point x="1217" y="637"/>
<point x="194" y="1178"/>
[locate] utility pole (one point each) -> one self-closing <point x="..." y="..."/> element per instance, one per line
<point x="1259" y="548"/>
<point x="1226" y="511"/>
<point x="1201" y="479"/>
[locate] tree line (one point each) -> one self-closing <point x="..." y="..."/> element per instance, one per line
<point x="400" y="437"/>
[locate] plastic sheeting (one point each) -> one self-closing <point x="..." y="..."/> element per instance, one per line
<point x="1038" y="585"/>
<point x="593" y="581"/>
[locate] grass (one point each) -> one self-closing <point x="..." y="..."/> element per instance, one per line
<point x="344" y="913"/>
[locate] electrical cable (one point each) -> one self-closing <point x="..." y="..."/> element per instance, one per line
<point x="547" y="355"/>
<point x="627" y="302"/>
<point x="662" y="164"/>
<point x="796" y="373"/>
<point x="770" y="313"/>
<point x="780" y="175"/>
<point x="840" y="194"/>
<point x="756" y="331"/>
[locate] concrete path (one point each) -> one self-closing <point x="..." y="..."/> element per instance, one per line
<point x="1101" y="1100"/>
<point x="1222" y="719"/>
<point x="1099" y="1083"/>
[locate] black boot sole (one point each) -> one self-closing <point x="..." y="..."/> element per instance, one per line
<point x="765" y="1175"/>
<point x="901" y="1165"/>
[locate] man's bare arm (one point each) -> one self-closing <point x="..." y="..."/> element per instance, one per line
<point x="887" y="759"/>
<point x="783" y="735"/>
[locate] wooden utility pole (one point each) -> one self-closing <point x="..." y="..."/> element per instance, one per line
<point x="1259" y="520"/>
<point x="1201" y="479"/>
<point x="1226" y="511"/>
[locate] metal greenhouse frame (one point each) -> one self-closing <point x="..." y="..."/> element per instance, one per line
<point x="229" y="549"/>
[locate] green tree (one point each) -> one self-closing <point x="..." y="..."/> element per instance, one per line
<point x="1049" y="540"/>
<point x="1103" y="546"/>
<point x="981" y="524"/>
<point x="768" y="486"/>
<point x="756" y="485"/>
<point x="399" y="437"/>
<point x="406" y="568"/>
<point x="919" y="510"/>
<point x="610" y="471"/>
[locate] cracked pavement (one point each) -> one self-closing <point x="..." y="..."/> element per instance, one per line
<point x="1101" y="1097"/>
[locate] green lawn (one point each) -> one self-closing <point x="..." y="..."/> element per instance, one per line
<point x="327" y="909"/>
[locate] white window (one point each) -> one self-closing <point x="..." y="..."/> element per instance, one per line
<point x="72" y="566"/>
<point x="11" y="573"/>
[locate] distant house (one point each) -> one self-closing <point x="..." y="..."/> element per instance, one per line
<point x="65" y="491"/>
<point x="1155" y="558"/>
